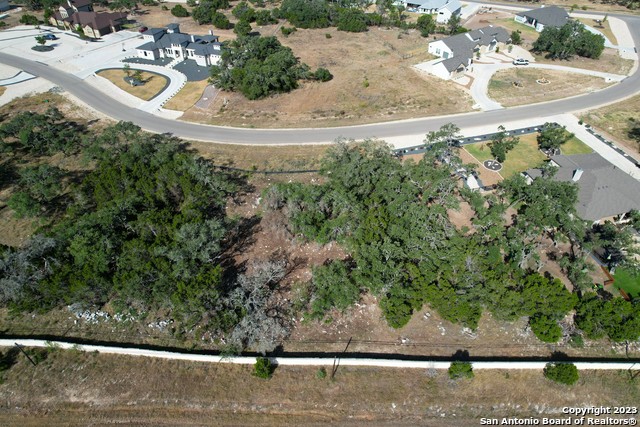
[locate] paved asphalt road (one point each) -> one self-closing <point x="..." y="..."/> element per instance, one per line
<point x="118" y="111"/>
<point x="314" y="361"/>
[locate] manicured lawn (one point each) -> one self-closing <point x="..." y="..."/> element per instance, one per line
<point x="575" y="146"/>
<point x="625" y="280"/>
<point x="526" y="155"/>
<point x="154" y="83"/>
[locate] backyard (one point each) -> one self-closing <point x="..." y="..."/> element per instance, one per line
<point x="627" y="281"/>
<point x="525" y="155"/>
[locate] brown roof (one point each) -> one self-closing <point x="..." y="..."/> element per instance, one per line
<point x="95" y="20"/>
<point x="81" y="3"/>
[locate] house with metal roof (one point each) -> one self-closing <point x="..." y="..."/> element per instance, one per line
<point x="169" y="42"/>
<point x="457" y="51"/>
<point x="604" y="191"/>
<point x="442" y="9"/>
<point x="549" y="16"/>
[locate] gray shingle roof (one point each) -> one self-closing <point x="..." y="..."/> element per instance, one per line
<point x="550" y="16"/>
<point x="453" y="63"/>
<point x="463" y="44"/>
<point x="153" y="31"/>
<point x="148" y="46"/>
<point x="604" y="190"/>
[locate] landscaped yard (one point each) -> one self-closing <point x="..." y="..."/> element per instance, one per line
<point x="526" y="155"/>
<point x="561" y="85"/>
<point x="153" y="83"/>
<point x="188" y="95"/>
<point x="625" y="280"/>
<point x="606" y="28"/>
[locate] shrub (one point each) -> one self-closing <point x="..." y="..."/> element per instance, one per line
<point x="179" y="11"/>
<point x="244" y="12"/>
<point x="286" y="31"/>
<point x="459" y="370"/>
<point x="219" y="20"/>
<point x="516" y="37"/>
<point x="323" y="75"/>
<point x="327" y="36"/>
<point x="164" y="7"/>
<point x="352" y="20"/>
<point x="263" y="17"/>
<point x="155" y="3"/>
<point x="263" y="368"/>
<point x="242" y="28"/>
<point x="27" y="19"/>
<point x="563" y="373"/>
<point x="321" y="373"/>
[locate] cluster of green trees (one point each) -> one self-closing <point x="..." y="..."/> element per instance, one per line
<point x="144" y="228"/>
<point x="261" y="66"/>
<point x="208" y="12"/>
<point x="392" y="217"/>
<point x="569" y="40"/>
<point x="551" y="137"/>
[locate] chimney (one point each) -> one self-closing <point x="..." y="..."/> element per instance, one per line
<point x="193" y="38"/>
<point x="210" y="32"/>
<point x="576" y="175"/>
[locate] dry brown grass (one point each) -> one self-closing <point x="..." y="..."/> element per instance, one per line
<point x="188" y="95"/>
<point x="153" y="83"/>
<point x="604" y="28"/>
<point x="615" y="121"/>
<point x="609" y="62"/>
<point x="74" y="388"/>
<point x="562" y="85"/>
<point x="3" y="89"/>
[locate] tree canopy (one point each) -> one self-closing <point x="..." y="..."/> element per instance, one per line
<point x="570" y="39"/>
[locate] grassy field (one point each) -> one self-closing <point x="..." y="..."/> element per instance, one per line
<point x="526" y="155"/>
<point x="606" y="28"/>
<point x="75" y="388"/>
<point x="188" y="95"/>
<point x="615" y="121"/>
<point x="154" y="83"/>
<point x="624" y="279"/>
<point x="562" y="85"/>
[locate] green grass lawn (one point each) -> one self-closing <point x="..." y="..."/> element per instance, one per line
<point x="625" y="280"/>
<point x="526" y="155"/>
<point x="575" y="146"/>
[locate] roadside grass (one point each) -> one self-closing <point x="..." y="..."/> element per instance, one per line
<point x="525" y="155"/>
<point x="562" y="85"/>
<point x="626" y="280"/>
<point x="614" y="121"/>
<point x="76" y="388"/>
<point x="3" y="89"/>
<point x="609" y="62"/>
<point x="154" y="83"/>
<point x="606" y="28"/>
<point x="575" y="146"/>
<point x="187" y="97"/>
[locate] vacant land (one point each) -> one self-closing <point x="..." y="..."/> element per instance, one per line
<point x="609" y="62"/>
<point x="615" y="121"/>
<point x="188" y="95"/>
<point x="152" y="83"/>
<point x="519" y="86"/>
<point x="75" y="388"/>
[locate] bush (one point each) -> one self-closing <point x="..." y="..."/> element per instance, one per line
<point x="321" y="373"/>
<point x="219" y="20"/>
<point x="27" y="19"/>
<point x="327" y="36"/>
<point x="242" y="28"/>
<point x="164" y="7"/>
<point x="244" y="12"/>
<point x="155" y="3"/>
<point x="516" y="38"/>
<point x="286" y="31"/>
<point x="263" y="17"/>
<point x="563" y="373"/>
<point x="179" y="11"/>
<point x="352" y="20"/>
<point x="426" y="25"/>
<point x="459" y="370"/>
<point x="306" y="13"/>
<point x="323" y="75"/>
<point x="263" y="368"/>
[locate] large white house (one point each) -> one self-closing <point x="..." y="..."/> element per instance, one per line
<point x="442" y="9"/>
<point x="550" y="16"/>
<point x="169" y="42"/>
<point x="458" y="51"/>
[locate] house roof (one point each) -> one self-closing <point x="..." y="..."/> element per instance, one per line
<point x="153" y="31"/>
<point x="437" y="4"/>
<point x="549" y="16"/>
<point x="95" y="20"/>
<point x="205" y="49"/>
<point x="452" y="64"/>
<point x="463" y="44"/>
<point x="80" y="3"/>
<point x="148" y="46"/>
<point x="604" y="190"/>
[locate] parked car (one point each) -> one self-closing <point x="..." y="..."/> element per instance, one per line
<point x="50" y="36"/>
<point x="142" y="29"/>
<point x="520" y="61"/>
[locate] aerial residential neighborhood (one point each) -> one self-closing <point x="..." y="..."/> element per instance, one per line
<point x="309" y="212"/>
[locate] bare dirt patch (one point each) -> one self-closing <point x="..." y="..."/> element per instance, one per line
<point x="74" y="388"/>
<point x="560" y="85"/>
<point x="373" y="81"/>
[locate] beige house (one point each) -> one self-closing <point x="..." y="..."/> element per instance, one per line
<point x="93" y="24"/>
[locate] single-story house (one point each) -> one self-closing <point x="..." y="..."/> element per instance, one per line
<point x="93" y="24"/>
<point x="442" y="9"/>
<point x="605" y="192"/>
<point x="549" y="16"/>
<point x="169" y="42"/>
<point x="458" y="51"/>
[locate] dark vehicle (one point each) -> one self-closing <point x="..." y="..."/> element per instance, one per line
<point x="142" y="29"/>
<point x="50" y="36"/>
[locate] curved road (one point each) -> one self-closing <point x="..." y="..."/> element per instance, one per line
<point x="312" y="361"/>
<point x="112" y="108"/>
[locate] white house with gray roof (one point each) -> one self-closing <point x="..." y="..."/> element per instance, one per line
<point x="458" y="51"/>
<point x="550" y="16"/>
<point x="169" y="42"/>
<point x="442" y="9"/>
<point x="604" y="191"/>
